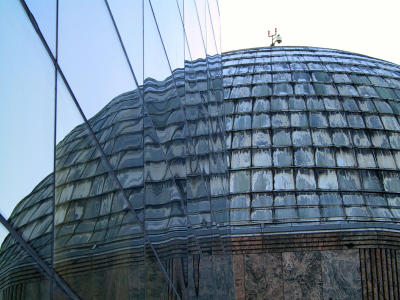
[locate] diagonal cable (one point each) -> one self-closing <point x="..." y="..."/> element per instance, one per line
<point x="221" y="127"/>
<point x="99" y="148"/>
<point x="53" y="203"/>
<point x="189" y="225"/>
<point x="186" y="123"/>
<point x="49" y="271"/>
<point x="202" y="174"/>
<point x="212" y="25"/>
<point x="205" y="51"/>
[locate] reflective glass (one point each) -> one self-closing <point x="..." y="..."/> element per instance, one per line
<point x="16" y="263"/>
<point x="167" y="221"/>
<point x="45" y="13"/>
<point x="91" y="207"/>
<point x="128" y="17"/>
<point x="26" y="110"/>
<point x="203" y="82"/>
<point x="90" y="54"/>
<point x="158" y="175"/>
<point x="27" y="139"/>
<point x="99" y="194"/>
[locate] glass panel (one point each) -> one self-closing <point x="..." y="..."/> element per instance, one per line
<point x="26" y="179"/>
<point x="93" y="216"/>
<point x="128" y="17"/>
<point x="203" y="88"/>
<point x="26" y="111"/>
<point x="27" y="143"/>
<point x="20" y="275"/>
<point x="215" y="19"/>
<point x="218" y="168"/>
<point x="167" y="222"/>
<point x="45" y="16"/>
<point x="90" y="54"/>
<point x="171" y="30"/>
<point x="99" y="194"/>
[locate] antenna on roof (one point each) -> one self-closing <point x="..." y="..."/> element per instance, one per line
<point x="275" y="38"/>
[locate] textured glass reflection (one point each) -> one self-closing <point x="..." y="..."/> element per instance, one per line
<point x="198" y="150"/>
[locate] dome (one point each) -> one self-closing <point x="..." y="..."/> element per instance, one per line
<point x="307" y="140"/>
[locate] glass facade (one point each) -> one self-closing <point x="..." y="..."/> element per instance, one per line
<point x="126" y="176"/>
<point x="142" y="163"/>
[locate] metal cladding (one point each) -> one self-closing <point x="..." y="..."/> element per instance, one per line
<point x="313" y="137"/>
<point x="305" y="139"/>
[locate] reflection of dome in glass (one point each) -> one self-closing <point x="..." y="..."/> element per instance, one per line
<point x="313" y="144"/>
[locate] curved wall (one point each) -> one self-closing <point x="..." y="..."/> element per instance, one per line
<point x="303" y="195"/>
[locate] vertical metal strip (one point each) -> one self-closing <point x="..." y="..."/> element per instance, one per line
<point x="189" y="224"/>
<point x="390" y="274"/>
<point x="212" y="25"/>
<point x="158" y="141"/>
<point x="149" y="117"/>
<point x="53" y="204"/>
<point x="202" y="175"/>
<point x="208" y="67"/>
<point x="98" y="146"/>
<point x="374" y="275"/>
<point x="384" y="274"/>
<point x="397" y="265"/>
<point x="208" y="97"/>
<point x="394" y="272"/>
<point x="189" y="136"/>
<point x="368" y="273"/>
<point x="379" y="271"/>
<point x="145" y="267"/>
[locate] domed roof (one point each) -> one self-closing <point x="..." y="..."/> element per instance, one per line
<point x="312" y="143"/>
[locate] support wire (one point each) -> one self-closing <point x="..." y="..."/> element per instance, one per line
<point x="99" y="148"/>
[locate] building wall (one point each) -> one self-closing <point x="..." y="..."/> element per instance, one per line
<point x="316" y="267"/>
<point x="95" y="233"/>
<point x="298" y="275"/>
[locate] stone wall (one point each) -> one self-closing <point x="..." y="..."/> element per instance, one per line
<point x="328" y="266"/>
<point x="298" y="275"/>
